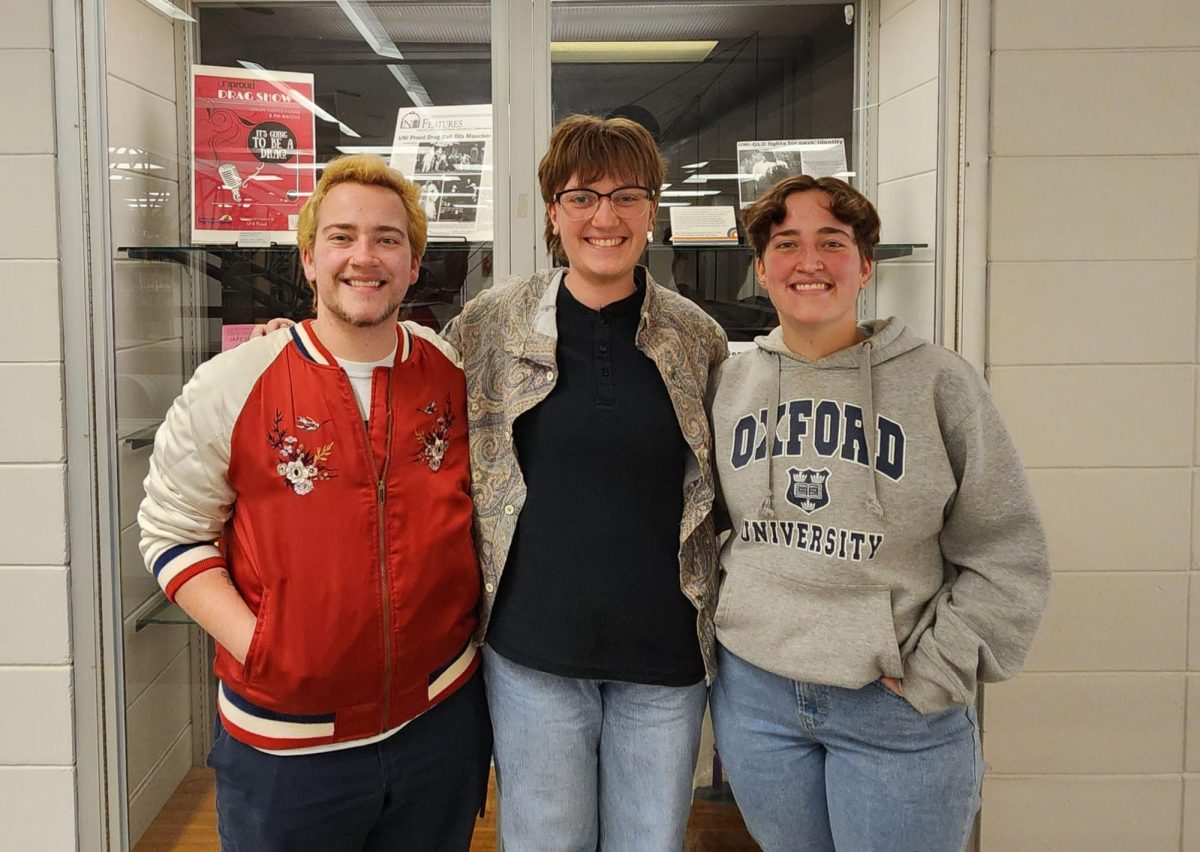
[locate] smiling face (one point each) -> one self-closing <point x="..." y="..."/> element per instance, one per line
<point x="361" y="260"/>
<point x="604" y="248"/>
<point x="813" y="272"/>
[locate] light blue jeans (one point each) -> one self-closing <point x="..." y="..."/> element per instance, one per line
<point x="819" y="767"/>
<point x="587" y="764"/>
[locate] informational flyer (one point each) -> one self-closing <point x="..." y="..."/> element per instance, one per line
<point x="447" y="152"/>
<point x="714" y="225"/>
<point x="253" y="154"/>
<point x="763" y="163"/>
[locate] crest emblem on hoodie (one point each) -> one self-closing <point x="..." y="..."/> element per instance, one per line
<point x="807" y="489"/>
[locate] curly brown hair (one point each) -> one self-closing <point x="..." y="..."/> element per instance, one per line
<point x="846" y="203"/>
<point x="591" y="148"/>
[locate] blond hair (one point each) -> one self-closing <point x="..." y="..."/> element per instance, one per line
<point x="368" y="170"/>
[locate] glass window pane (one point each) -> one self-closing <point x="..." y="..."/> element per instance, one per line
<point x="702" y="78"/>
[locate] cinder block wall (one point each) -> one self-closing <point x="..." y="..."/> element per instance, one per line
<point x="1092" y="356"/>
<point x="37" y="776"/>
<point x="907" y="158"/>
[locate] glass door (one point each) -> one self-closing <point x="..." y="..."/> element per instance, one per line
<point x="219" y="118"/>
<point x="737" y="95"/>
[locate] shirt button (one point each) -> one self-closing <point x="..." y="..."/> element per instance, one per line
<point x="508" y="510"/>
<point x="603" y="347"/>
<point x="489" y="587"/>
<point x="604" y="371"/>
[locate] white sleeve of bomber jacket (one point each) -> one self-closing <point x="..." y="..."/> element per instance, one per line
<point x="188" y="496"/>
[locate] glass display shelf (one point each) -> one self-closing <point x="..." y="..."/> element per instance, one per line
<point x="163" y="612"/>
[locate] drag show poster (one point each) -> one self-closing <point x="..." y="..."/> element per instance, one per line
<point x="253" y="154"/>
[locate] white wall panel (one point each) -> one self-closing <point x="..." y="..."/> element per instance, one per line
<point x="137" y="584"/>
<point x="34" y="616"/>
<point x="1131" y="621"/>
<point x="1074" y="24"/>
<point x="1148" y="529"/>
<point x="1097" y="416"/>
<point x="1094" y="208"/>
<point x="31" y="420"/>
<point x="1092" y="313"/>
<point x="908" y="47"/>
<point x="26" y="24"/>
<point x="37" y="808"/>
<point x="28" y="215"/>
<point x="29" y="290"/>
<point x="1085" y="723"/>
<point x="142" y="131"/>
<point x="908" y="133"/>
<point x="28" y="109"/>
<point x="1096" y="103"/>
<point x="148" y="652"/>
<point x="908" y="210"/>
<point x="33" y="515"/>
<point x="906" y="290"/>
<point x="1056" y="813"/>
<point x="156" y="719"/>
<point x="141" y="46"/>
<point x="36" y="719"/>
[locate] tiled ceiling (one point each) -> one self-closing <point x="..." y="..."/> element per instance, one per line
<point x="575" y="20"/>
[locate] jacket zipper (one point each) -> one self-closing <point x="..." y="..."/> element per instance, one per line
<point x="380" y="501"/>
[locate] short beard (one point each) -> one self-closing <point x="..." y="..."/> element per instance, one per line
<point x="389" y="314"/>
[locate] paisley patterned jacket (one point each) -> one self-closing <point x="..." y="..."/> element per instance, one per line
<point x="507" y="337"/>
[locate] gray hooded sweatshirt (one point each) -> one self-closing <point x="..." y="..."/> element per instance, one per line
<point x="887" y="528"/>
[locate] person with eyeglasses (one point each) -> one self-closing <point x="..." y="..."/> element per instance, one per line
<point x="593" y="486"/>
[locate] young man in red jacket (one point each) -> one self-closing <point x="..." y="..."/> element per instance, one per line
<point x="330" y="460"/>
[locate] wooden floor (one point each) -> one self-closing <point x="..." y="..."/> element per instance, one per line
<point x="188" y="823"/>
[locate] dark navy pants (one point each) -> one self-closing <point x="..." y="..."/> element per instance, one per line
<point x="418" y="791"/>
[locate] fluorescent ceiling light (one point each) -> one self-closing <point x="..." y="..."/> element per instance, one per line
<point x="373" y="32"/>
<point x="381" y="150"/>
<point x="690" y="193"/>
<point x="170" y="10"/>
<point x="630" y="51"/>
<point x="298" y="98"/>
<point x="707" y="177"/>
<point x="690" y="166"/>
<point x="675" y="204"/>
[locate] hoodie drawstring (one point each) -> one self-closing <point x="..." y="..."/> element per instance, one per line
<point x="867" y="389"/>
<point x="766" y="511"/>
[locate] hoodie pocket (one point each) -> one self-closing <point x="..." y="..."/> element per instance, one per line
<point x="839" y="635"/>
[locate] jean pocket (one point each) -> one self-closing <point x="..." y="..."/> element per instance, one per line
<point x="880" y="686"/>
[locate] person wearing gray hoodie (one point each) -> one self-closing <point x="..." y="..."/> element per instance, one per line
<point x="885" y="555"/>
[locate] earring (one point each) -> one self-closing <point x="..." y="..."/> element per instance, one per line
<point x="650" y="236"/>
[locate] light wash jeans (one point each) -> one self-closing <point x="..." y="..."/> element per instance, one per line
<point x="820" y="767"/>
<point x="591" y="764"/>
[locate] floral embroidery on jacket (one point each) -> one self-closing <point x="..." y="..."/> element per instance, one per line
<point x="298" y="466"/>
<point x="433" y="443"/>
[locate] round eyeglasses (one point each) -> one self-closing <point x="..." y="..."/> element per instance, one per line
<point x="628" y="202"/>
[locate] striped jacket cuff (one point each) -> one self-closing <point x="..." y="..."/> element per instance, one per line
<point x="176" y="565"/>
